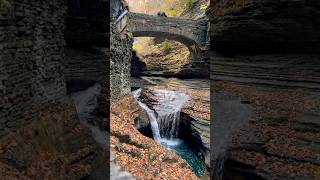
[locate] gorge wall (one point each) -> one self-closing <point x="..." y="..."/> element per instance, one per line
<point x="86" y="42"/>
<point x="265" y="68"/>
<point x="265" y="25"/>
<point x="31" y="54"/>
<point x="44" y="45"/>
<point x="38" y="121"/>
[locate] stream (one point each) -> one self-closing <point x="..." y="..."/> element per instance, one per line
<point x="165" y="118"/>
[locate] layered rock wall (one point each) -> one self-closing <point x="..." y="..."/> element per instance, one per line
<point x="265" y="25"/>
<point x="31" y="54"/>
<point x="86" y="37"/>
<point x="265" y="55"/>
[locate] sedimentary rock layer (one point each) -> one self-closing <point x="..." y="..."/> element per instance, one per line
<point x="265" y="25"/>
<point x="31" y="53"/>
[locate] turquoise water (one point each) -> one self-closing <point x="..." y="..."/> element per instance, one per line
<point x="184" y="150"/>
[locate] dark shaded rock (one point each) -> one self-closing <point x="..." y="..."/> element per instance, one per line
<point x="86" y="23"/>
<point x="283" y="70"/>
<point x="137" y="66"/>
<point x="31" y="64"/>
<point x="62" y="148"/>
<point x="266" y="25"/>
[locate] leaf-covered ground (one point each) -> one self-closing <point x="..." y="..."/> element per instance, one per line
<point x="138" y="154"/>
<point x="54" y="145"/>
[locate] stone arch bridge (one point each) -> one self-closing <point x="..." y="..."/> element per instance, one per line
<point x="192" y="33"/>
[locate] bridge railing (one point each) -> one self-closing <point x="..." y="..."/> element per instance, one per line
<point x="121" y="21"/>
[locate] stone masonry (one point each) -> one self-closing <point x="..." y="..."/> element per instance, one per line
<point x="120" y="51"/>
<point x="187" y="31"/>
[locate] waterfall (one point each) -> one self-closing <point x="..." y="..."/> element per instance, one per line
<point x="86" y="101"/>
<point x="168" y="110"/>
<point x="152" y="116"/>
<point x="165" y="119"/>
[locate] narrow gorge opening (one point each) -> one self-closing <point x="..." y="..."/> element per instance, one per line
<point x="85" y="63"/>
<point x="155" y="61"/>
<point x="167" y="61"/>
<point x="166" y="67"/>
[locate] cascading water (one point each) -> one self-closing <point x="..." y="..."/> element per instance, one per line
<point x="165" y="121"/>
<point x="152" y="117"/>
<point x="165" y="125"/>
<point x="168" y="110"/>
<point x="86" y="101"/>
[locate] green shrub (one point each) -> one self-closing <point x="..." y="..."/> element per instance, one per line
<point x="189" y="4"/>
<point x="172" y="12"/>
<point x="166" y="46"/>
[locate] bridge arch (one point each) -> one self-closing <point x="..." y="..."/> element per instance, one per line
<point x="189" y="32"/>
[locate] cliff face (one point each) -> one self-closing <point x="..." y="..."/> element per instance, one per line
<point x="121" y="53"/>
<point x="86" y="43"/>
<point x="31" y="54"/>
<point x="265" y="72"/>
<point x="41" y="136"/>
<point x="197" y="10"/>
<point x="55" y="145"/>
<point x="266" y="24"/>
